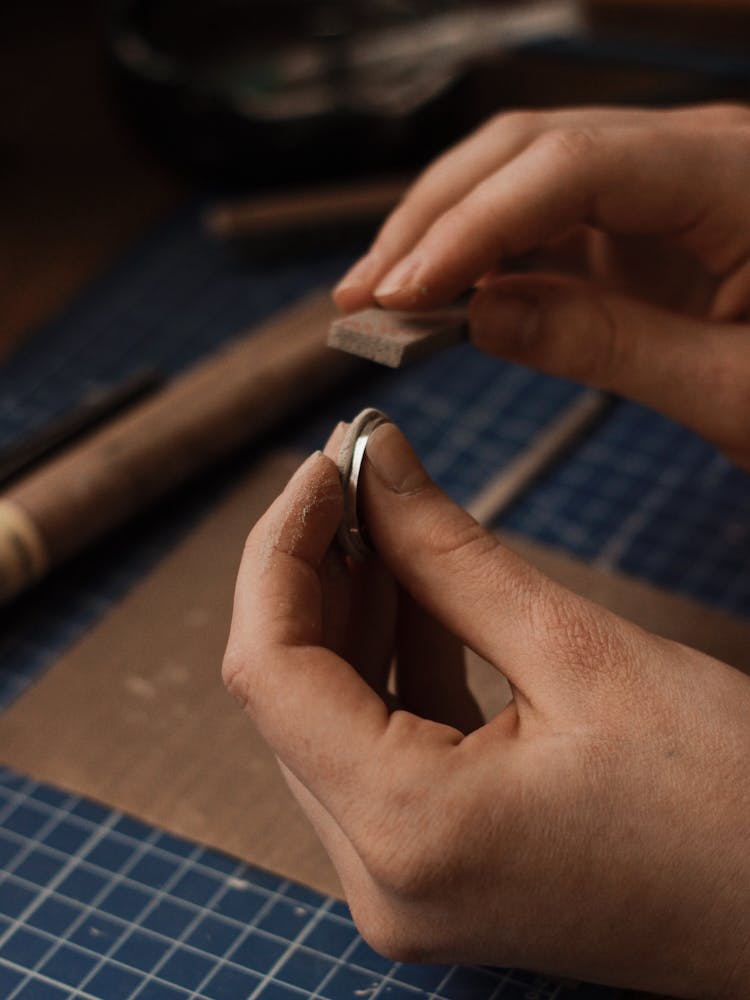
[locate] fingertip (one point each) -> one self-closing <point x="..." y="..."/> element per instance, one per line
<point x="303" y="519"/>
<point x="355" y="290"/>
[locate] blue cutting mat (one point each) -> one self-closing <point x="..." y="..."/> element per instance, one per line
<point x="94" y="904"/>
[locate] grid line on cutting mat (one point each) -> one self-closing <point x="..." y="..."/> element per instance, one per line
<point x="241" y="928"/>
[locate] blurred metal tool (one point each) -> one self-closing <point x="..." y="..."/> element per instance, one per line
<point x="546" y="448"/>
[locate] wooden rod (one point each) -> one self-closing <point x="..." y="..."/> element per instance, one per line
<point x="216" y="407"/>
<point x="310" y="209"/>
<point x="547" y="447"/>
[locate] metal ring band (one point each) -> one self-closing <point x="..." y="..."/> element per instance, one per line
<point x="351" y="533"/>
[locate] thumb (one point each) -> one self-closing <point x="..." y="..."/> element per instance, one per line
<point x="676" y="364"/>
<point x="516" y="618"/>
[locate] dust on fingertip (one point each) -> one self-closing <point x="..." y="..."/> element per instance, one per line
<point x="314" y="485"/>
<point x="332" y="445"/>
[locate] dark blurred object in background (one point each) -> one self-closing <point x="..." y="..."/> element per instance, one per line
<point x="271" y="90"/>
<point x="267" y="91"/>
<point x="82" y="175"/>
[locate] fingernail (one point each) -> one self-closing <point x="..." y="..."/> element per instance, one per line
<point x="502" y="323"/>
<point x="394" y="461"/>
<point x="357" y="278"/>
<point x="310" y="462"/>
<point x="400" y="279"/>
<point x="333" y="443"/>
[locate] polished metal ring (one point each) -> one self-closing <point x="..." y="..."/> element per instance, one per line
<point x="351" y="534"/>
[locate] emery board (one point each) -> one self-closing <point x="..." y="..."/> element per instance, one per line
<point x="394" y="337"/>
<point x="135" y="715"/>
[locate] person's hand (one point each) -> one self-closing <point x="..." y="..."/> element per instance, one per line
<point x="635" y="227"/>
<point x="598" y="828"/>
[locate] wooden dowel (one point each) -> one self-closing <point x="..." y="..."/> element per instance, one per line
<point x="549" y="445"/>
<point x="312" y="209"/>
<point x="231" y="399"/>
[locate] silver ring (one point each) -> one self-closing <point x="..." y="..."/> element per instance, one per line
<point x="351" y="534"/>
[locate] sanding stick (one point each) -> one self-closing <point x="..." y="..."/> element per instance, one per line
<point x="396" y="338"/>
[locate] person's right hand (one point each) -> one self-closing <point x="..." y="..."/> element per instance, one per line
<point x="597" y="828"/>
<point x="636" y="228"/>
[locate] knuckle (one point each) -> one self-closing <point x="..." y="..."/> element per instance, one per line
<point x="464" y="545"/>
<point x="243" y="679"/>
<point x="473" y="554"/>
<point x="571" y="145"/>
<point x="498" y="570"/>
<point x="404" y="856"/>
<point x="454" y="221"/>
<point x="518" y="123"/>
<point x="387" y="862"/>
<point x="574" y="633"/>
<point x="390" y="238"/>
<point x="390" y="934"/>
<point x="448" y="538"/>
<point x="233" y="674"/>
<point x="727" y="113"/>
<point x="598" y="351"/>
<point x="408" y="843"/>
<point x="420" y="853"/>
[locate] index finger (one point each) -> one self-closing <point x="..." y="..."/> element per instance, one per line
<point x="623" y="180"/>
<point x="319" y="716"/>
<point x="451" y="177"/>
